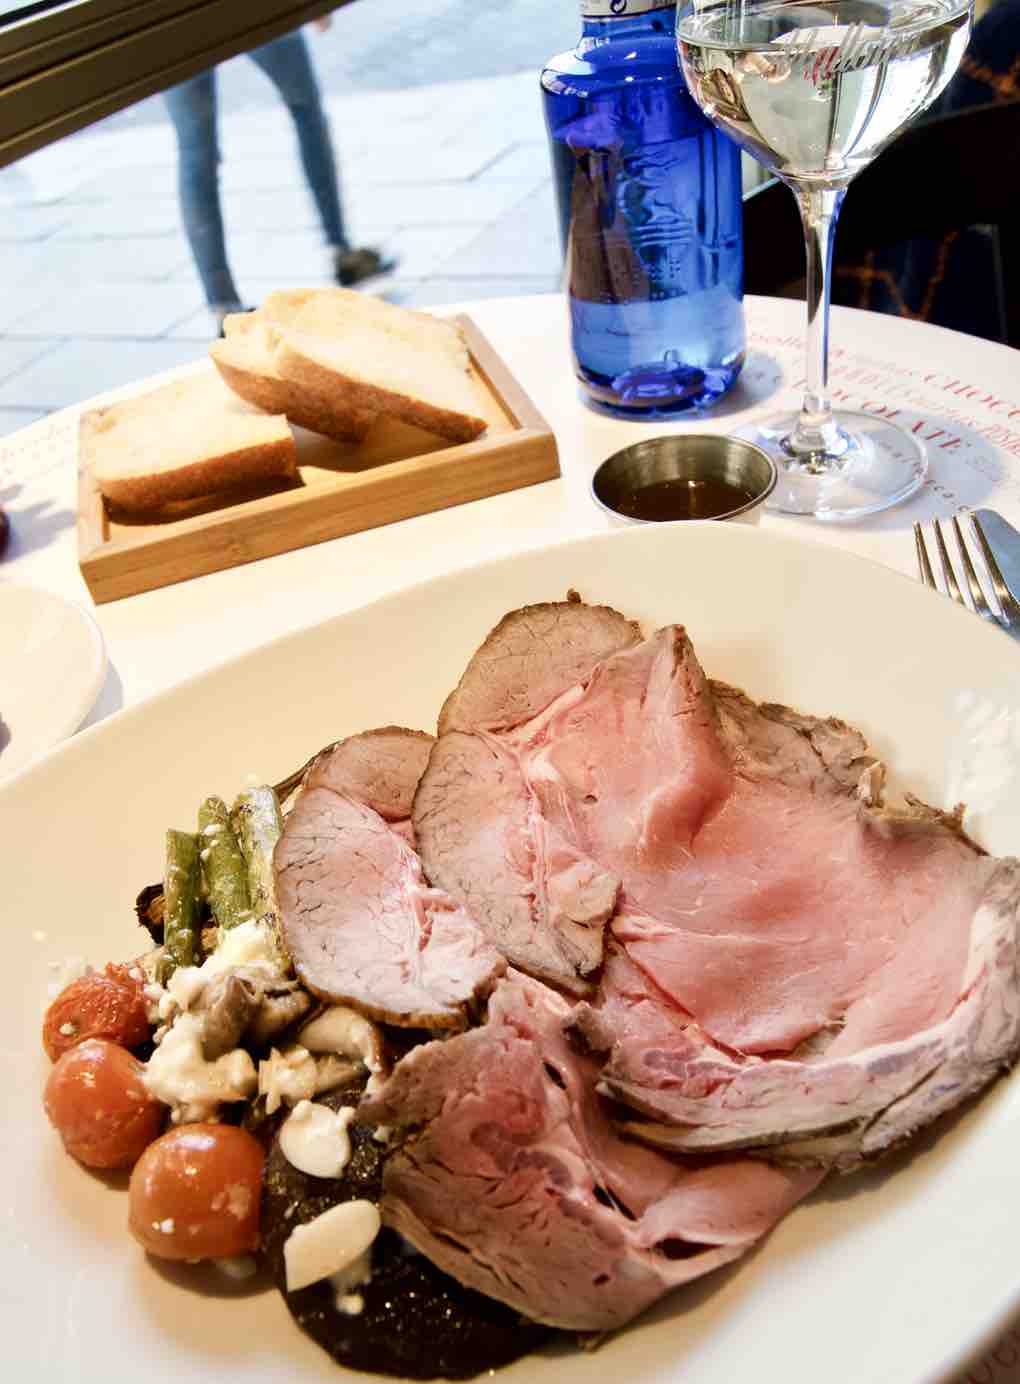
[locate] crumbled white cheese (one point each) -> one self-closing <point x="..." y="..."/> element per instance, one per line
<point x="165" y="1227"/>
<point x="285" y="1078"/>
<point x="250" y="943"/>
<point x="179" y="1076"/>
<point x="68" y="1030"/>
<point x="314" y="1139"/>
<point x="183" y="989"/>
<point x="330" y="1244"/>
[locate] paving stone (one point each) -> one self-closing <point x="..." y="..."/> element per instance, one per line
<point x="422" y="249"/>
<point x="439" y="292"/>
<point x="481" y="201"/>
<point x="106" y="309"/>
<point x="11" y="419"/>
<point x="77" y="370"/>
<point x="31" y="276"/>
<point x="524" y="241"/>
<point x="528" y="159"/>
<point x="15" y="354"/>
<point x="293" y="257"/>
<point x="425" y="165"/>
<point x="28" y="223"/>
<point x="142" y="258"/>
<point x="123" y="218"/>
<point x="143" y="180"/>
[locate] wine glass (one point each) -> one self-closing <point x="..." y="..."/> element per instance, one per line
<point x="814" y="91"/>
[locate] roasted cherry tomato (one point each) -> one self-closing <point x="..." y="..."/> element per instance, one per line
<point x="196" y="1193"/>
<point x="104" y="1004"/>
<point x="98" y="1102"/>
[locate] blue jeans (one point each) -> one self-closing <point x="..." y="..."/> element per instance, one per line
<point x="192" y="106"/>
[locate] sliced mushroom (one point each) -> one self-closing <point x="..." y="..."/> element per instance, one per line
<point x="227" y="1004"/>
<point x="339" y="1029"/>
<point x="245" y="1002"/>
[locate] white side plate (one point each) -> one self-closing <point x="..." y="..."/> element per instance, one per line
<point x="52" y="667"/>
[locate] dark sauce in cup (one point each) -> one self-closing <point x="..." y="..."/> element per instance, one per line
<point x="679" y="498"/>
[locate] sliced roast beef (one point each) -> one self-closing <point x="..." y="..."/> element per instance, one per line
<point x="832" y="1106"/>
<point x="541" y="903"/>
<point x="379" y="768"/>
<point x="840" y="967"/>
<point x="808" y="942"/>
<point x="363" y="926"/>
<point x="512" y="1180"/>
<point x="530" y="657"/>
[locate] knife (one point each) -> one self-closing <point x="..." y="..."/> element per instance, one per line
<point x="1004" y="542"/>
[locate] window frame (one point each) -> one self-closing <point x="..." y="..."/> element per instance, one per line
<point x="65" y="66"/>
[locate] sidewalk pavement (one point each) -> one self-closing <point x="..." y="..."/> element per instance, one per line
<point x="97" y="286"/>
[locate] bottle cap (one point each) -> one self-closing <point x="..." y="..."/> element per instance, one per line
<point x="622" y="9"/>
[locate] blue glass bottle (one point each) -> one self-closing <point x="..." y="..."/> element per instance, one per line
<point x="649" y="197"/>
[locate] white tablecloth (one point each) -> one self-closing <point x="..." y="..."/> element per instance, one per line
<point x="961" y="395"/>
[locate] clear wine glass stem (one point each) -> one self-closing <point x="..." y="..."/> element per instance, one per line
<point x="816" y="440"/>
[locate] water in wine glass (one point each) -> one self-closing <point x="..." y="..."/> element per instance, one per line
<point x="815" y="91"/>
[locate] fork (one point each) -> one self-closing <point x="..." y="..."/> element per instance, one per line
<point x="1007" y="617"/>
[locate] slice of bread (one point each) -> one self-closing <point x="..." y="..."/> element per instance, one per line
<point x="244" y="359"/>
<point x="342" y="344"/>
<point x="184" y="440"/>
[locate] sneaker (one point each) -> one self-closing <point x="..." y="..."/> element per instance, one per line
<point x="354" y="266"/>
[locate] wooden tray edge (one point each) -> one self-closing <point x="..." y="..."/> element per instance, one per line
<point x="250" y="531"/>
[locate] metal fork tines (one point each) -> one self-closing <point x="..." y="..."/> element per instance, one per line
<point x="1006" y="613"/>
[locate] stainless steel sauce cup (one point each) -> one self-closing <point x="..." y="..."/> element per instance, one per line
<point x="661" y="462"/>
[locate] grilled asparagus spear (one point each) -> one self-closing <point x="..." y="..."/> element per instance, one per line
<point x="223" y="865"/>
<point x="258" y="824"/>
<point x="180" y="890"/>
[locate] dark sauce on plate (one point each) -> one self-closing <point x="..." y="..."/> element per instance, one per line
<point x="679" y="498"/>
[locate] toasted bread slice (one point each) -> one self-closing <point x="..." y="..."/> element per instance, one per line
<point x="187" y="439"/>
<point x="244" y="359"/>
<point x="407" y="364"/>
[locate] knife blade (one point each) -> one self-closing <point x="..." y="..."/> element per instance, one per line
<point x="1004" y="541"/>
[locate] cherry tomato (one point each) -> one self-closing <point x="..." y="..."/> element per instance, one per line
<point x="98" y="1102"/>
<point x="196" y="1193"/>
<point x="104" y="1004"/>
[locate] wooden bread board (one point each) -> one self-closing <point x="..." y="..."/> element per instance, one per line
<point x="396" y="472"/>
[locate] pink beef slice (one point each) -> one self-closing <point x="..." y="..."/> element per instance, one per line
<point x="511" y="1177"/>
<point x="529" y="658"/>
<point x="829" y="974"/>
<point x="379" y="768"/>
<point x="363" y="926"/>
<point x="543" y="903"/>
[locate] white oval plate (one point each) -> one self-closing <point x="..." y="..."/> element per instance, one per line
<point x="53" y="666"/>
<point x="891" y="1276"/>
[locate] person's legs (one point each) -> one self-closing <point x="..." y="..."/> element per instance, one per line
<point x="192" y="107"/>
<point x="288" y="65"/>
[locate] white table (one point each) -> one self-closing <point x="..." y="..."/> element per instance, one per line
<point x="963" y="395"/>
<point x="954" y="388"/>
